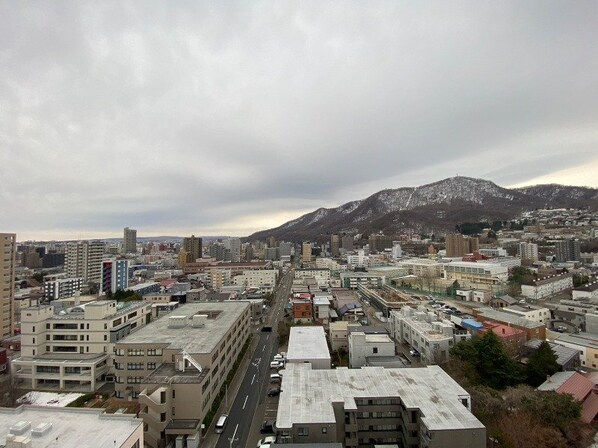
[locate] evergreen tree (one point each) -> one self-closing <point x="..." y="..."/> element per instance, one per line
<point x="541" y="364"/>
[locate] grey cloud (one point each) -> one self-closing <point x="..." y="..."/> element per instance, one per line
<point x="188" y="115"/>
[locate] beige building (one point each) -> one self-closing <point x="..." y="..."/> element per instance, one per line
<point x="193" y="246"/>
<point x="46" y="427"/>
<point x="177" y="364"/>
<point x="306" y="252"/>
<point x="71" y="350"/>
<point x="257" y="279"/>
<point x="475" y="273"/>
<point x="364" y="345"/>
<point x="8" y="253"/>
<point x="84" y="259"/>
<point x="586" y="343"/>
<point x="547" y="286"/>
<point x="338" y="334"/>
<point x="411" y="408"/>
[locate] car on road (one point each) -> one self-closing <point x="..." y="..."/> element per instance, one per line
<point x="268" y="427"/>
<point x="221" y="423"/>
<point x="274" y="392"/>
<point x="266" y="441"/>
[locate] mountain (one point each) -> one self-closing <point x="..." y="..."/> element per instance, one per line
<point x="435" y="207"/>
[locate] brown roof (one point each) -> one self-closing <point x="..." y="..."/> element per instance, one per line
<point x="589" y="408"/>
<point x="577" y="385"/>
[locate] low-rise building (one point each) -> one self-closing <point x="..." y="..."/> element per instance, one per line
<point x="62" y="288"/>
<point x="475" y="273"/>
<point x="308" y="345"/>
<point x="364" y="344"/>
<point x="257" y="279"/>
<point x="338" y="334"/>
<point x="411" y="408"/>
<point x="45" y="427"/>
<point x="352" y="280"/>
<point x="146" y="288"/>
<point x="530" y="312"/>
<point x="322" y="275"/>
<point x="533" y="330"/>
<point x="589" y="291"/>
<point x="586" y="344"/>
<point x="547" y="286"/>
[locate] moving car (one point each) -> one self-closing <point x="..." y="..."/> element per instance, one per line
<point x="221" y="423"/>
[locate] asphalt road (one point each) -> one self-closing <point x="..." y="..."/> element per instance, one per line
<point x="257" y="378"/>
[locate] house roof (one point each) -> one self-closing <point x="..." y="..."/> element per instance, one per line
<point x="589" y="408"/>
<point x="577" y="385"/>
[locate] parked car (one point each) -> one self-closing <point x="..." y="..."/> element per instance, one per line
<point x="266" y="441"/>
<point x="275" y="378"/>
<point x="274" y="392"/>
<point x="268" y="427"/>
<point x="414" y="353"/>
<point x="276" y="365"/>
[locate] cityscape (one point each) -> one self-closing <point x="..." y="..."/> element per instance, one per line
<point x="298" y="224"/>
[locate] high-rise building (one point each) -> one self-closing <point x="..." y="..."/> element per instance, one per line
<point x="285" y="249"/>
<point x="335" y="245"/>
<point x="130" y="241"/>
<point x="347" y="243"/>
<point x="397" y="251"/>
<point x="306" y="252"/>
<point x="568" y="250"/>
<point x="217" y="250"/>
<point x="115" y="276"/>
<point x="528" y="251"/>
<point x="62" y="288"/>
<point x="84" y="259"/>
<point x="8" y="261"/>
<point x="234" y="244"/>
<point x="193" y="246"/>
<point x="379" y="242"/>
<point x="248" y="252"/>
<point x="458" y="245"/>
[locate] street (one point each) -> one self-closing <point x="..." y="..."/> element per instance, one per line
<point x="257" y="377"/>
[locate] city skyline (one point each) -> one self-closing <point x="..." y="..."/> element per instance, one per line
<point x="231" y="118"/>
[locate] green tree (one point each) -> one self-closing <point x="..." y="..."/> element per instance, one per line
<point x="552" y="409"/>
<point x="541" y="363"/>
<point x="38" y="276"/>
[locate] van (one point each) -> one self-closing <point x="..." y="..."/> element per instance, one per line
<point x="275" y="365"/>
<point x="221" y="423"/>
<point x="275" y="378"/>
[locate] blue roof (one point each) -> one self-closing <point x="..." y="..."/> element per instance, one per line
<point x="472" y="323"/>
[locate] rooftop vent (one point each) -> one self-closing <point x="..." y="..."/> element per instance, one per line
<point x="199" y="320"/>
<point x="41" y="430"/>
<point x="20" y="428"/>
<point x="176" y="321"/>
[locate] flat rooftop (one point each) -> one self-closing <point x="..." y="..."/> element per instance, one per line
<point x="507" y="318"/>
<point x="71" y="427"/>
<point x="307" y="395"/>
<point x="589" y="340"/>
<point x="191" y="339"/>
<point x="307" y="343"/>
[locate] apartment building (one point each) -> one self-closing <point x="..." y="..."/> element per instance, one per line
<point x="302" y="309"/>
<point x="306" y="252"/>
<point x="528" y="251"/>
<point x="84" y="259"/>
<point x="477" y="273"/>
<point x="193" y="247"/>
<point x="425" y="333"/>
<point x="589" y="292"/>
<point x="353" y="280"/>
<point x="45" y="427"/>
<point x="177" y="364"/>
<point x="129" y="241"/>
<point x="62" y="288"/>
<point x="547" y="286"/>
<point x="8" y="261"/>
<point x="567" y="250"/>
<point x="71" y="349"/>
<point x="257" y="279"/>
<point x="458" y="245"/>
<point x="530" y="312"/>
<point x="308" y="345"/>
<point x="411" y="408"/>
<point x="364" y="344"/>
<point x="321" y="275"/>
<point x="338" y="334"/>
<point x="115" y="276"/>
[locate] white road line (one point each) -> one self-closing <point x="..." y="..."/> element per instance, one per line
<point x="263" y="348"/>
<point x="253" y="379"/>
<point x="234" y="433"/>
<point x="245" y="402"/>
<point x="267" y="337"/>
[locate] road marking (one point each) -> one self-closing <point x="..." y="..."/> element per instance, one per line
<point x="267" y="337"/>
<point x="245" y="402"/>
<point x="234" y="434"/>
<point x="263" y="348"/>
<point x="253" y="379"/>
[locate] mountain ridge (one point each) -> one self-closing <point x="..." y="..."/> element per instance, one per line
<point x="433" y="207"/>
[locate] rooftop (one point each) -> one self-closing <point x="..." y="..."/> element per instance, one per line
<point x="191" y="339"/>
<point x="500" y="316"/>
<point x="307" y="343"/>
<point x="582" y="339"/>
<point x="307" y="395"/>
<point x="71" y="427"/>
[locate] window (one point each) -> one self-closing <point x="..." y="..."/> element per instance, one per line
<point x="154" y="352"/>
<point x="324" y="430"/>
<point x="375" y="350"/>
<point x="302" y="432"/>
<point x="33" y="331"/>
<point x="135" y="352"/>
<point x="151" y="365"/>
<point x="135" y="366"/>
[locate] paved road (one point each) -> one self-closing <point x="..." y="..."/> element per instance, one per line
<point x="257" y="378"/>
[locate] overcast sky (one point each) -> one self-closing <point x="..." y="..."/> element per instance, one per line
<point x="219" y="118"/>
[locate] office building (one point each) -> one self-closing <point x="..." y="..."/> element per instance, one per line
<point x="475" y="273"/>
<point x="397" y="251"/>
<point x="71" y="350"/>
<point x="8" y="261"/>
<point x="285" y="249"/>
<point x="410" y="408"/>
<point x="257" y="279"/>
<point x="528" y="251"/>
<point x="567" y="250"/>
<point x="130" y="241"/>
<point x="271" y="253"/>
<point x="84" y="259"/>
<point x="177" y="365"/>
<point x="234" y="245"/>
<point x="217" y="251"/>
<point x="306" y="252"/>
<point x="458" y="245"/>
<point x="115" y="276"/>
<point x="335" y="245"/>
<point x="347" y="243"/>
<point x="52" y="426"/>
<point x="193" y="246"/>
<point x="352" y="280"/>
<point x="62" y="288"/>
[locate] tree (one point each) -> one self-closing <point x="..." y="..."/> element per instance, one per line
<point x="38" y="276"/>
<point x="541" y="364"/>
<point x="552" y="409"/>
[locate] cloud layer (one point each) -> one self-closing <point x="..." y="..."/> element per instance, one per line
<point x="234" y="116"/>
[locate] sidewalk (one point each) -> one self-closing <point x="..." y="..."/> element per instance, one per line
<point x="210" y="438"/>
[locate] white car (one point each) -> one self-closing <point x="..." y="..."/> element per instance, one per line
<point x="266" y="441"/>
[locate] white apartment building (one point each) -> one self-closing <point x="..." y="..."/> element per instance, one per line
<point x="410" y="408"/>
<point x="530" y="312"/>
<point x="547" y="286"/>
<point x="257" y="279"/>
<point x="363" y="345"/>
<point x="62" y="288"/>
<point x="8" y="263"/>
<point x="528" y="251"/>
<point x="72" y="350"/>
<point x="353" y="280"/>
<point x="360" y="260"/>
<point x="321" y="275"/>
<point x="84" y="259"/>
<point x="329" y="263"/>
<point x="421" y="267"/>
<point x="397" y="251"/>
<point x="469" y="272"/>
<point x="431" y="338"/>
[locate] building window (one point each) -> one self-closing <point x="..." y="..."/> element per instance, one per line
<point x="324" y="430"/>
<point x="135" y="352"/>
<point x="375" y="350"/>
<point x="302" y="432"/>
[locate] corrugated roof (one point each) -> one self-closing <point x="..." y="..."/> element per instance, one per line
<point x="589" y="408"/>
<point x="577" y="385"/>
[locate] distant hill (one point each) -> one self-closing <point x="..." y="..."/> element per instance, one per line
<point x="435" y="207"/>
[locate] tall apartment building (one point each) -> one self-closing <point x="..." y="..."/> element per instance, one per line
<point x="379" y="242"/>
<point x="410" y="408"/>
<point x="130" y="241"/>
<point x="62" y="288"/>
<point x="528" y="251"/>
<point x="234" y="245"/>
<point x="306" y="252"/>
<point x="84" y="259"/>
<point x="8" y="261"/>
<point x="217" y="250"/>
<point x="335" y="245"/>
<point x="458" y="245"/>
<point x="568" y="250"/>
<point x="71" y="350"/>
<point x="193" y="246"/>
<point x="397" y="251"/>
<point x="285" y="249"/>
<point x="347" y="243"/>
<point x="115" y="276"/>
<point x="177" y="365"/>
